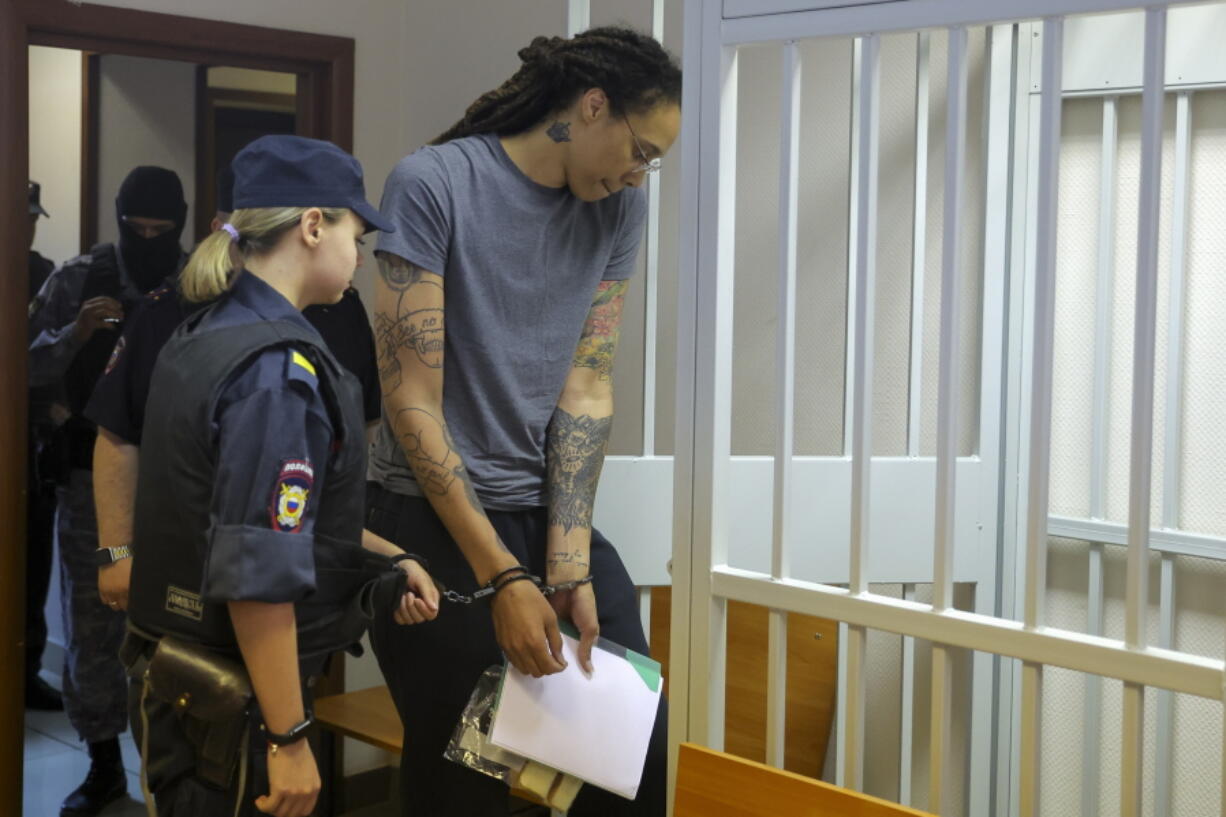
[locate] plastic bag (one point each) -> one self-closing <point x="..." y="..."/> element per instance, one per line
<point x="470" y="745"/>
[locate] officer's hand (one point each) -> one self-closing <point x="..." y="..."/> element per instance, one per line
<point x="97" y="313"/>
<point x="420" y="602"/>
<point x="113" y="581"/>
<point x="579" y="605"/>
<point x="527" y="629"/>
<point x="293" y="782"/>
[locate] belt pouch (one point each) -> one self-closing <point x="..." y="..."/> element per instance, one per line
<point x="212" y="696"/>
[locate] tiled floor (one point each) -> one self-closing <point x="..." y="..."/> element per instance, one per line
<point x="56" y="763"/>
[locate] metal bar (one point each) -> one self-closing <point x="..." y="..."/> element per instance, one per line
<point x="785" y="337"/>
<point x="1103" y="307"/>
<point x="951" y="287"/>
<point x="1092" y="716"/>
<point x="1164" y="699"/>
<point x="1150" y="666"/>
<point x="862" y="380"/>
<point x="777" y="689"/>
<point x="855" y="691"/>
<point x="1136" y="601"/>
<point x="907" y="711"/>
<point x="947" y="415"/>
<point x="578" y="16"/>
<point x="1176" y="543"/>
<point x="1044" y="319"/>
<point x="840" y="707"/>
<point x="853" y="204"/>
<point x="866" y="244"/>
<point x="688" y="576"/>
<point x="651" y="311"/>
<point x="919" y="241"/>
<point x="645" y="612"/>
<point x="785" y="373"/>
<point x="1184" y="87"/>
<point x="852" y="20"/>
<point x="1172" y="449"/>
<point x="712" y="366"/>
<point x="939" y="746"/>
<point x="651" y="307"/>
<point x="1030" y="754"/>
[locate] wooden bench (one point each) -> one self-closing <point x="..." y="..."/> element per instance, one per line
<point x="370" y="715"/>
<point x="716" y="784"/>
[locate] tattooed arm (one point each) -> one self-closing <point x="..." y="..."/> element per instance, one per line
<point x="410" y="328"/>
<point x="575" y="449"/>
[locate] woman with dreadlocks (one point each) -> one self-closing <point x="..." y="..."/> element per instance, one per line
<point x="516" y="234"/>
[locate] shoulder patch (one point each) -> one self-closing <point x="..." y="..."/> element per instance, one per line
<point x="116" y="353"/>
<point x="298" y="367"/>
<point x="290" y="495"/>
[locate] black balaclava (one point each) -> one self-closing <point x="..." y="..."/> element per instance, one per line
<point x="150" y="192"/>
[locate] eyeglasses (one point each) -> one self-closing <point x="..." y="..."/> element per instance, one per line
<point x="648" y="165"/>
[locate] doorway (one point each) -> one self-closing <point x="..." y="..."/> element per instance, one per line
<point x="323" y="68"/>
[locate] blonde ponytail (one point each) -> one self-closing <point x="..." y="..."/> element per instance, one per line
<point x="214" y="265"/>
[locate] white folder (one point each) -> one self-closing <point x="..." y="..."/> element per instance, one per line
<point x="594" y="727"/>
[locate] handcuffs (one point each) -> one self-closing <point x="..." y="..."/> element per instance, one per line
<point x="494" y="585"/>
<point x="511" y="574"/>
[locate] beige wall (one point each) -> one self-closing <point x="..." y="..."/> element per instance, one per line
<point x="55" y="148"/>
<point x="146" y="116"/>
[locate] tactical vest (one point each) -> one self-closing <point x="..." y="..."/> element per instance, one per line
<point x="178" y="463"/>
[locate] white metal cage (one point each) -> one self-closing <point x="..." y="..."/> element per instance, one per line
<point x="987" y="510"/>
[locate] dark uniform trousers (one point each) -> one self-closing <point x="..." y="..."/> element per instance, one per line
<point x="432" y="668"/>
<point x="95" y="689"/>
<point x="170" y="764"/>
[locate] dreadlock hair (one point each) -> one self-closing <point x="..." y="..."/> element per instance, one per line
<point x="633" y="70"/>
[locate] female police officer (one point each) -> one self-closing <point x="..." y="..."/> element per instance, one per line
<point x="249" y="501"/>
<point x="525" y="214"/>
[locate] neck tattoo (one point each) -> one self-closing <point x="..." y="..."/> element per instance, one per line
<point x="559" y="132"/>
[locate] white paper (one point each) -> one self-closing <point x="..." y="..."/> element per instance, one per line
<point x="593" y="727"/>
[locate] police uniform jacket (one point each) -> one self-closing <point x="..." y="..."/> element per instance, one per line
<point x="251" y="483"/>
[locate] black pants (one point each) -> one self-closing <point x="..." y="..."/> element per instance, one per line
<point x="40" y="528"/>
<point x="170" y="764"/>
<point x="432" y="668"/>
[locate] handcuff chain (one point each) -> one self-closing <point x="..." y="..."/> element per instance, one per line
<point x="547" y="590"/>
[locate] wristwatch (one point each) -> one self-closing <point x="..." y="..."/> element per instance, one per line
<point x="109" y="556"/>
<point x="296" y="733"/>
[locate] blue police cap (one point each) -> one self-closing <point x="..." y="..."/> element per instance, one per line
<point x="293" y="171"/>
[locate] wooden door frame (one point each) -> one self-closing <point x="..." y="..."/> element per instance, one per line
<point x="324" y="64"/>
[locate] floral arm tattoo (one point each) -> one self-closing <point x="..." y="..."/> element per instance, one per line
<point x="576" y="441"/>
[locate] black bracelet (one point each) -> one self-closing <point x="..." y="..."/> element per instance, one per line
<point x="296" y="733"/>
<point x="421" y="560"/>
<point x="522" y="577"/>
<point x="516" y="569"/>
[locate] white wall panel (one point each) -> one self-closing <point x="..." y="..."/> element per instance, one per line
<point x="1075" y="307"/>
<point x="1102" y="51"/>
<point x="146" y="116"/>
<point x="1204" y="452"/>
<point x="55" y="148"/>
<point x="821" y="285"/>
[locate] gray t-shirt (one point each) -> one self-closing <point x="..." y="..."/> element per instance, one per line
<point x="521" y="263"/>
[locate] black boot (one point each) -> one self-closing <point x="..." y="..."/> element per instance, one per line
<point x="41" y="695"/>
<point x="105" y="783"/>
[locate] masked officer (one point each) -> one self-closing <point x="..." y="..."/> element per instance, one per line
<point x="76" y="319"/>
<point x="249" y="517"/>
<point x="40" y="497"/>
